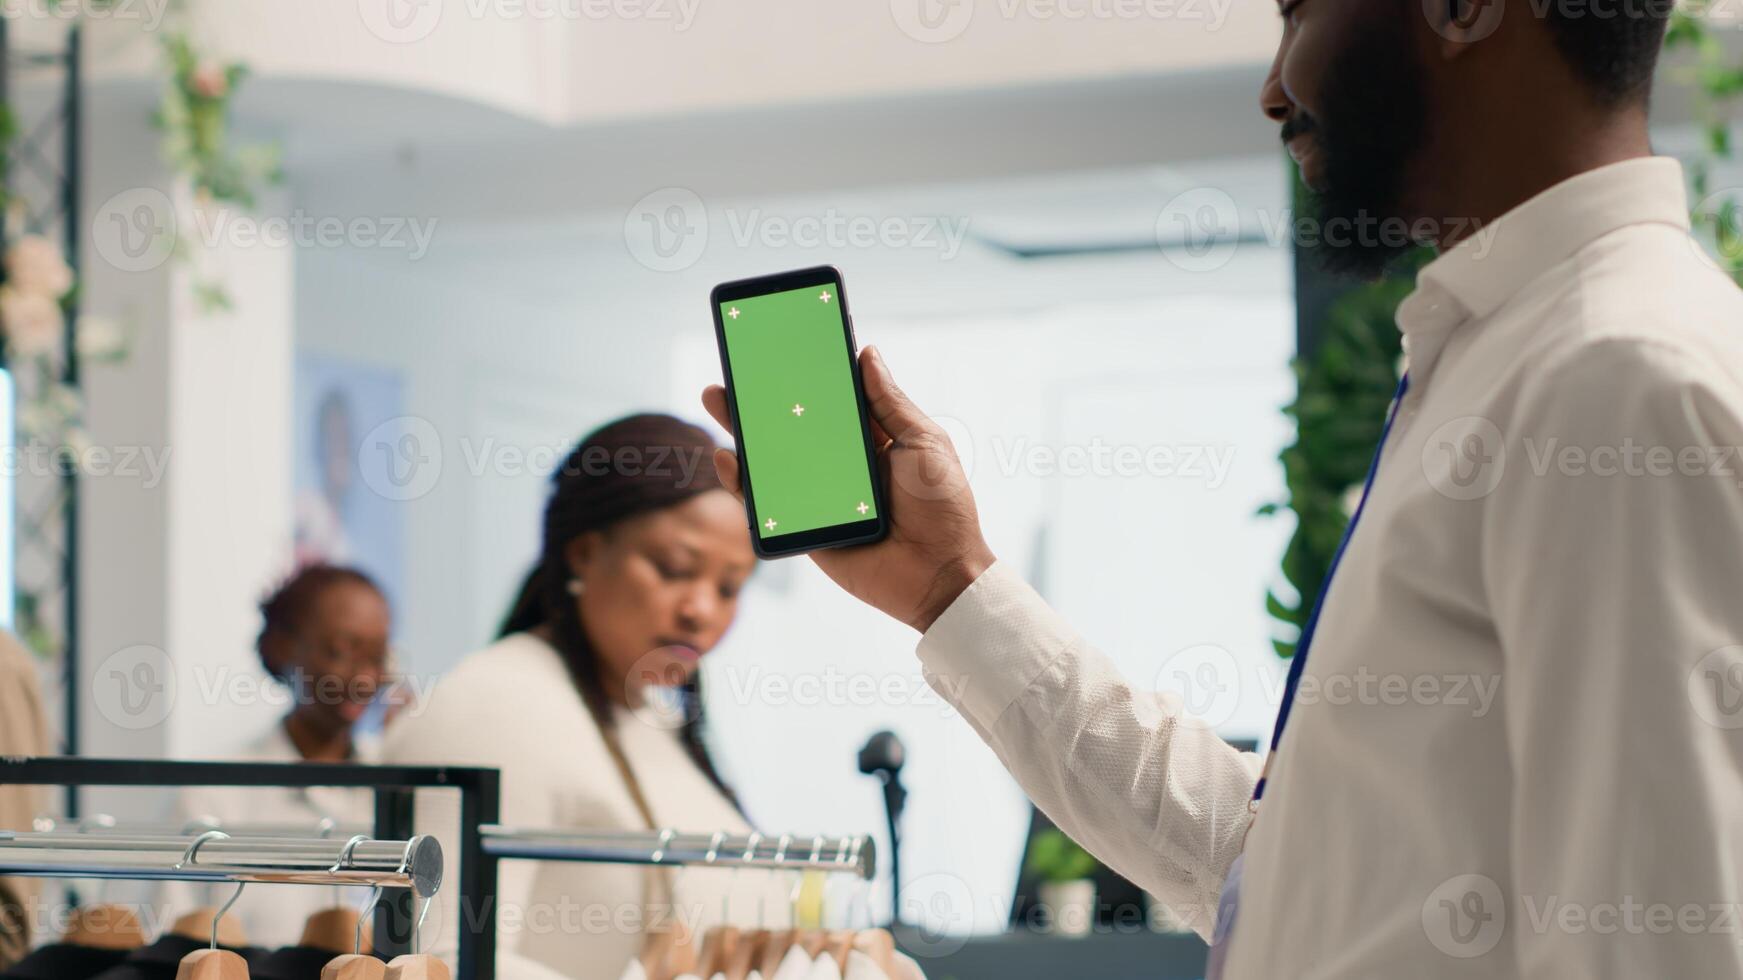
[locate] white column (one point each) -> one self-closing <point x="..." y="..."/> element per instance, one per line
<point x="174" y="559"/>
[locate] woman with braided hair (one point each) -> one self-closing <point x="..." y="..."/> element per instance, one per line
<point x="589" y="700"/>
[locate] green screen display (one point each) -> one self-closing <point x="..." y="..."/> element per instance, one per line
<point x="799" y="419"/>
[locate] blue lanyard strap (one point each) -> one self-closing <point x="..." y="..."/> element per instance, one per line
<point x="1299" y="661"/>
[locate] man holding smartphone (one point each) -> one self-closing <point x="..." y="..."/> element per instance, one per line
<point x="1556" y="508"/>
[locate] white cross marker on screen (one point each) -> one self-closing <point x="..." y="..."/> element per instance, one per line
<point x="799" y="410"/>
<point x="770" y="524"/>
<point x="862" y="508"/>
<point x="825" y="296"/>
<point x="733" y="313"/>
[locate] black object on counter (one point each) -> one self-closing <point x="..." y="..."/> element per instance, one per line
<point x="882" y="757"/>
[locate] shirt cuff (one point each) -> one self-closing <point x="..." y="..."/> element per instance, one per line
<point x="991" y="644"/>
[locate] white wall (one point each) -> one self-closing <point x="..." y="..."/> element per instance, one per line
<point x="568" y="62"/>
<point x="177" y="545"/>
<point x="526" y="335"/>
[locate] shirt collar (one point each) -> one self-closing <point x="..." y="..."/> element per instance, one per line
<point x="1474" y="278"/>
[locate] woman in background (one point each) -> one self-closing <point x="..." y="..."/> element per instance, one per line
<point x="325" y="637"/>
<point x="589" y="701"/>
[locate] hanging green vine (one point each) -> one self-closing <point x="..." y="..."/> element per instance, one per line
<point x="1717" y="83"/>
<point x="1339" y="411"/>
<point x="194" y="117"/>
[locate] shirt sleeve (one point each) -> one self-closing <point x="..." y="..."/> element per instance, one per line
<point x="1150" y="792"/>
<point x="1613" y="559"/>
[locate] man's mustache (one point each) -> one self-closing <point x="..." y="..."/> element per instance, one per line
<point x="1299" y="124"/>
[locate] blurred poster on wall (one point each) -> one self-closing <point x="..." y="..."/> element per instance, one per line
<point x="341" y="519"/>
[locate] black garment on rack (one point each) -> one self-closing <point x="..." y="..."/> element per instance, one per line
<point x="160" y="960"/>
<point x="290" y="963"/>
<point x="65" y="961"/>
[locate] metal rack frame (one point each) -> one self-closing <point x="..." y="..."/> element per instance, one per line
<point x="395" y="811"/>
<point x="45" y="175"/>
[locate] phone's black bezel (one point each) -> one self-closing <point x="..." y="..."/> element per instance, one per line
<point x="840" y="535"/>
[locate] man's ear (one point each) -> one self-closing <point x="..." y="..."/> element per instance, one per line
<point x="1459" y="24"/>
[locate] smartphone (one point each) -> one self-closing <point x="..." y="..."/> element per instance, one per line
<point x="806" y="461"/>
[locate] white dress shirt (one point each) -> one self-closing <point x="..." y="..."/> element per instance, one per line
<point x="1557" y="520"/>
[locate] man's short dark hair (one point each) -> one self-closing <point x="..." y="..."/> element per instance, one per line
<point x="1612" y="44"/>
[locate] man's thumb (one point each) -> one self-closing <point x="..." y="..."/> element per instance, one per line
<point x="889" y="406"/>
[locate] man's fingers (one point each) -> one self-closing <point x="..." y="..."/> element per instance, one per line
<point x="879" y="436"/>
<point x="714" y="400"/>
<point x="890" y="408"/>
<point x="726" y="467"/>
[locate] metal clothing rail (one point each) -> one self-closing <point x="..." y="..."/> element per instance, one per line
<point x="103" y="823"/>
<point x="212" y="856"/>
<point x="787" y="852"/>
<point x="395" y="789"/>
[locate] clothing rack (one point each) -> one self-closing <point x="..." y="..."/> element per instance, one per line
<point x="786" y="852"/>
<point x="235" y="858"/>
<point x="103" y="823"/>
<point x="213" y="856"/>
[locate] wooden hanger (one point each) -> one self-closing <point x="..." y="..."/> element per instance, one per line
<point x="880" y="946"/>
<point x="212" y="963"/>
<point x="837" y="943"/>
<point x="355" y="965"/>
<point x="719" y="945"/>
<point x="748" y="954"/>
<point x="206" y="922"/>
<point x="338" y="930"/>
<point x="104" y="927"/>
<point x="812" y="941"/>
<point x="775" y="947"/>
<point x="418" y="966"/>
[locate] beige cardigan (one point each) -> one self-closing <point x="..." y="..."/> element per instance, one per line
<point x="513" y="707"/>
<point x="23" y="731"/>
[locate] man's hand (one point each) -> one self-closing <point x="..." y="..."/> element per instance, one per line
<point x="935" y="549"/>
